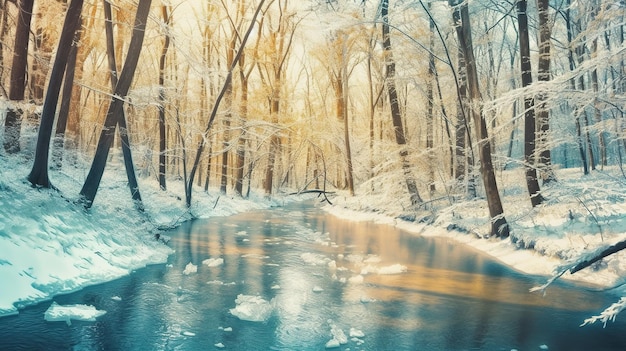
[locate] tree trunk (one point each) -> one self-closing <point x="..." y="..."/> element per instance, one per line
<point x="39" y="173"/>
<point x="115" y="113"/>
<point x="530" y="127"/>
<point x="66" y="99"/>
<point x="430" y="128"/>
<point x="543" y="75"/>
<point x="162" y="131"/>
<point x="396" y="114"/>
<point x="499" y="225"/>
<point x="13" y="120"/>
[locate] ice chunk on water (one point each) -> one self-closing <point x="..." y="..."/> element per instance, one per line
<point x="356" y="333"/>
<point x="339" y="337"/>
<point x="116" y="298"/>
<point x="393" y="269"/>
<point x="317" y="289"/>
<point x="56" y="313"/>
<point x="251" y="308"/>
<point x="543" y="347"/>
<point x="332" y="343"/>
<point x="213" y="262"/>
<point x="190" y="268"/>
<point x="188" y="333"/>
<point x="314" y="259"/>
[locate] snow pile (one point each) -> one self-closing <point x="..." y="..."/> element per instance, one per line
<point x="56" y="313"/>
<point x="252" y="308"/>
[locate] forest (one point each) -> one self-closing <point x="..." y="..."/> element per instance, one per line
<point x="428" y="101"/>
<point x="498" y="119"/>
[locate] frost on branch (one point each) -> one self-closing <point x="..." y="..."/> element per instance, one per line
<point x="585" y="261"/>
<point x="608" y="314"/>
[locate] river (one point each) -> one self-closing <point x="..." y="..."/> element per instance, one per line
<point x="317" y="282"/>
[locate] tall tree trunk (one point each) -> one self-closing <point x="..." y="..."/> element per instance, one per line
<point x="241" y="141"/>
<point x="572" y="66"/>
<point x="13" y="120"/>
<point x="499" y="225"/>
<point x="115" y="113"/>
<point x="39" y="173"/>
<point x="430" y="129"/>
<point x="162" y="130"/>
<point x="66" y="99"/>
<point x="595" y="87"/>
<point x="4" y="28"/>
<point x="543" y="75"/>
<point x="530" y="127"/>
<point x="396" y="114"/>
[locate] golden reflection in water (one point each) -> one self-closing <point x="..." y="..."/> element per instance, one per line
<point x="426" y="273"/>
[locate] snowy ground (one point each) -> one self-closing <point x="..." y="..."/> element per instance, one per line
<point x="50" y="245"/>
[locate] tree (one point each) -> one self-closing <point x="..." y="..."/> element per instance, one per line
<point x="115" y="113"/>
<point x="66" y="98"/>
<point x="12" y="122"/>
<point x="499" y="225"/>
<point x="530" y="128"/>
<point x="543" y="75"/>
<point x="396" y="113"/>
<point x="279" y="43"/>
<point x="216" y="105"/>
<point x="39" y="173"/>
<point x="162" y="131"/>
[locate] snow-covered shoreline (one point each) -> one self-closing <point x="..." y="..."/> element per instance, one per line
<point x="50" y="245"/>
<point x="581" y="214"/>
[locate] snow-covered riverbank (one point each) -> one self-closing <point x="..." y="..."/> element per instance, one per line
<point x="49" y="245"/>
<point x="581" y="214"/>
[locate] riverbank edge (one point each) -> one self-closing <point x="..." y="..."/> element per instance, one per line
<point x="525" y="260"/>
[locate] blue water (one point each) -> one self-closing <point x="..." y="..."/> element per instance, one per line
<point x="449" y="298"/>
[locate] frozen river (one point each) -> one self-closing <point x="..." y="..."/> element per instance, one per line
<point x="309" y="281"/>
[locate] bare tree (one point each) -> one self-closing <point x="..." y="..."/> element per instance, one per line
<point x="543" y="75"/>
<point x="13" y="120"/>
<point x="396" y="113"/>
<point x="162" y="131"/>
<point x="115" y="113"/>
<point x="499" y="225"/>
<point x="39" y="173"/>
<point x="530" y="128"/>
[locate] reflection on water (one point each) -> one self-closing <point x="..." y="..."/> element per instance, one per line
<point x="313" y="268"/>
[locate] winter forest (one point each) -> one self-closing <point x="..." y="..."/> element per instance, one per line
<point x="499" y="119"/>
<point x="353" y="95"/>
